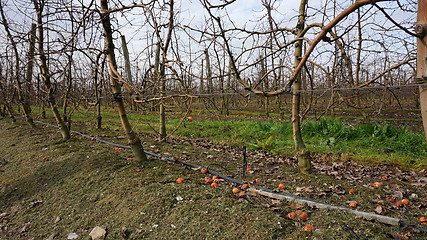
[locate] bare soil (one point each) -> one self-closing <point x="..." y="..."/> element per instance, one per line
<point x="50" y="188"/>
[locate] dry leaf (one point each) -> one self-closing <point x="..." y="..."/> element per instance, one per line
<point x="34" y="204"/>
<point x="4" y="214"/>
<point x="25" y="227"/>
<point x="376" y="201"/>
<point x="380" y="210"/>
<point x="52" y="236"/>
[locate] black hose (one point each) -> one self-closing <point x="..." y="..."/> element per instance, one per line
<point x="402" y="224"/>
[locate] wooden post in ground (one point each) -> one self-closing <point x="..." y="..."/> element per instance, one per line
<point x="421" y="29"/>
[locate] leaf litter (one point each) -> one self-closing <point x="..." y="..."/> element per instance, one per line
<point x="330" y="183"/>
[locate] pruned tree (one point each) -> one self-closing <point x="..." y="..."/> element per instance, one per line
<point x="44" y="68"/>
<point x="326" y="34"/>
<point x="134" y="141"/>
<point x="17" y="69"/>
<point x="303" y="154"/>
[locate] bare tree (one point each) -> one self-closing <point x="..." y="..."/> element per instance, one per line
<point x="17" y="71"/>
<point x="303" y="154"/>
<point x="44" y="68"/>
<point x="134" y="141"/>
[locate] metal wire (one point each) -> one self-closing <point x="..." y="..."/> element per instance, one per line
<point x="292" y="92"/>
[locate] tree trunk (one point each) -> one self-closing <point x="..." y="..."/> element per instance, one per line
<point x="6" y="103"/>
<point x="98" y="91"/>
<point x="127" y="69"/>
<point x="359" y="51"/>
<point x="134" y="141"/>
<point x="303" y="154"/>
<point x="16" y="75"/>
<point x="30" y="66"/>
<point x="46" y="75"/>
<point x="421" y="29"/>
<point x="209" y="84"/>
<point x="68" y="86"/>
<point x="157" y="76"/>
<point x="201" y="87"/>
<point x="163" y="72"/>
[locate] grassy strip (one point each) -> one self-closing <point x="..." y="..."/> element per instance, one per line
<point x="369" y="143"/>
<point x="84" y="184"/>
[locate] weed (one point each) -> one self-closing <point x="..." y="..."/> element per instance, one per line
<point x="368" y="141"/>
<point x="262" y="145"/>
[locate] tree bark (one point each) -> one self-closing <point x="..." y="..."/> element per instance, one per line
<point x="46" y="75"/>
<point x="98" y="91"/>
<point x="303" y="154"/>
<point x="209" y="84"/>
<point x="16" y="75"/>
<point x="68" y="87"/>
<point x="421" y="29"/>
<point x="127" y="68"/>
<point x="134" y="141"/>
<point x="6" y="103"/>
<point x="359" y="51"/>
<point x="30" y="66"/>
<point x="165" y="48"/>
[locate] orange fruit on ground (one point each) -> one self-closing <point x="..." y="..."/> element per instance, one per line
<point x="399" y="204"/>
<point x="72" y="134"/>
<point x="244" y="186"/>
<point x="384" y="178"/>
<point x="423" y="220"/>
<point x="351" y="191"/>
<point x="242" y="194"/>
<point x="180" y="180"/>
<point x="376" y="184"/>
<point x="308" y="228"/>
<point x="190" y="119"/>
<point x="353" y="204"/>
<point x="130" y="159"/>
<point x="83" y="136"/>
<point x="405" y="201"/>
<point x="214" y="177"/>
<point x="236" y="190"/>
<point x="214" y="184"/>
<point x="390" y="198"/>
<point x="93" y="139"/>
<point x="216" y="180"/>
<point x="303" y="216"/>
<point x="248" y="168"/>
<point x="298" y="212"/>
<point x="204" y="170"/>
<point x="292" y="215"/>
<point x="281" y="186"/>
<point x="208" y="180"/>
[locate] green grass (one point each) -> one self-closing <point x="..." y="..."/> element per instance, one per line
<point x="88" y="184"/>
<point x="380" y="141"/>
<point x="367" y="143"/>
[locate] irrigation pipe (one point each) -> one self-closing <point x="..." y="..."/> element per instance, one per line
<point x="268" y="192"/>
